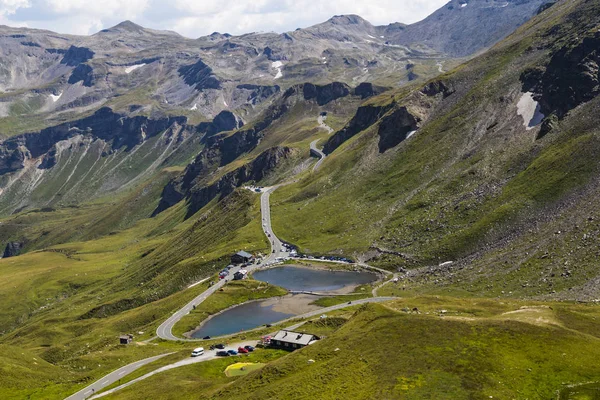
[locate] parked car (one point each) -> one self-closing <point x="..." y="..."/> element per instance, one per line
<point x="232" y="352"/>
<point x="249" y="348"/>
<point x="222" y="353"/>
<point x="198" y="352"/>
<point x="220" y="346"/>
<point x="206" y="338"/>
<point x="242" y="350"/>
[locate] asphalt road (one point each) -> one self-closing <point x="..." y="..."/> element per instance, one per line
<point x="112" y="378"/>
<point x="341" y="306"/>
<point x="208" y="355"/>
<point x="165" y="330"/>
<point x="319" y="153"/>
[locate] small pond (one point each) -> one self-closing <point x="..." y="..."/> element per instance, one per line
<point x="252" y="315"/>
<point x="314" y="280"/>
<point x="243" y="317"/>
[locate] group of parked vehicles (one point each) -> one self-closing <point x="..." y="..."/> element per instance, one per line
<point x="324" y="258"/>
<point x="222" y="352"/>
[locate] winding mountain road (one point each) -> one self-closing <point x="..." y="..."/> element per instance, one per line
<point x="112" y="378"/>
<point x="165" y="330"/>
<point x="207" y="356"/>
<point x="211" y="354"/>
<point x="318" y="153"/>
<point x="313" y="145"/>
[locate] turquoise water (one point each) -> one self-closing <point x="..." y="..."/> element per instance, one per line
<point x="243" y="317"/>
<point x="252" y="315"/>
<point x="313" y="280"/>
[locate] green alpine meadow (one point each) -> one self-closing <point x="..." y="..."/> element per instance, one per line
<point x="339" y="210"/>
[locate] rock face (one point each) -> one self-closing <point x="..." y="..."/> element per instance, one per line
<point x="570" y="78"/>
<point x="83" y="73"/>
<point x="77" y="55"/>
<point x="365" y="116"/>
<point x="325" y="93"/>
<point x="395" y="128"/>
<point x="200" y="76"/>
<point x="255" y="94"/>
<point x="105" y="124"/>
<point x="367" y="89"/>
<point x="224" y="121"/>
<point x="12" y="249"/>
<point x="198" y="195"/>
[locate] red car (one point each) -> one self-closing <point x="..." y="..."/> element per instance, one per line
<point x="242" y="350"/>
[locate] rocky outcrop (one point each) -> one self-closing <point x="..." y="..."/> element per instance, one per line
<point x="395" y="128"/>
<point x="367" y="89"/>
<point x="572" y="77"/>
<point x="219" y="150"/>
<point x="116" y="129"/>
<point x="365" y="116"/>
<point x="200" y="76"/>
<point x="257" y="93"/>
<point x="438" y="87"/>
<point x="224" y="121"/>
<point x="200" y="195"/>
<point x="77" y="55"/>
<point x="12" y="157"/>
<point x="13" y="249"/>
<point x="82" y="73"/>
<point x="324" y="94"/>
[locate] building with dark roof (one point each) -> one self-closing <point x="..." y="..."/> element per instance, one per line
<point x="289" y="340"/>
<point x="241" y="257"/>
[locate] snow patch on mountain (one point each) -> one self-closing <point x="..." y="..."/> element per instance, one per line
<point x="55" y="97"/>
<point x="132" y="68"/>
<point x="529" y="109"/>
<point x="277" y="65"/>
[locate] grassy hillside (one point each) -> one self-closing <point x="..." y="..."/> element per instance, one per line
<point x="68" y="303"/>
<point x="452" y="349"/>
<point x="473" y="185"/>
<point x="387" y="354"/>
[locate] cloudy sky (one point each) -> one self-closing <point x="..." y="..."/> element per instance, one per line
<point x="193" y="18"/>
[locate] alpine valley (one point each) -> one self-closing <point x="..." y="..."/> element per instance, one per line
<point x="455" y="160"/>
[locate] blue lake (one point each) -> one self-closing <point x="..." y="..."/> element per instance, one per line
<point x="243" y="317"/>
<point x="254" y="314"/>
<point x="313" y="280"/>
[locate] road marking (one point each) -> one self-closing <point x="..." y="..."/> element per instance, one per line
<point x="104" y="383"/>
<point x="121" y="373"/>
<point x="89" y="391"/>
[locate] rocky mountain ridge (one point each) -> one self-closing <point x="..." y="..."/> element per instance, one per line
<point x="49" y="74"/>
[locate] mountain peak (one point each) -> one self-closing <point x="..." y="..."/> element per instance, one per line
<point x="350" y="19"/>
<point x="125" y="26"/>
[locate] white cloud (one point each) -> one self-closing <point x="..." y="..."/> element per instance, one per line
<point x="195" y="18"/>
<point x="9" y="7"/>
<point x="99" y="8"/>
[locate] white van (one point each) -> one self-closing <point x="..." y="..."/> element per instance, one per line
<point x="198" y="352"/>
